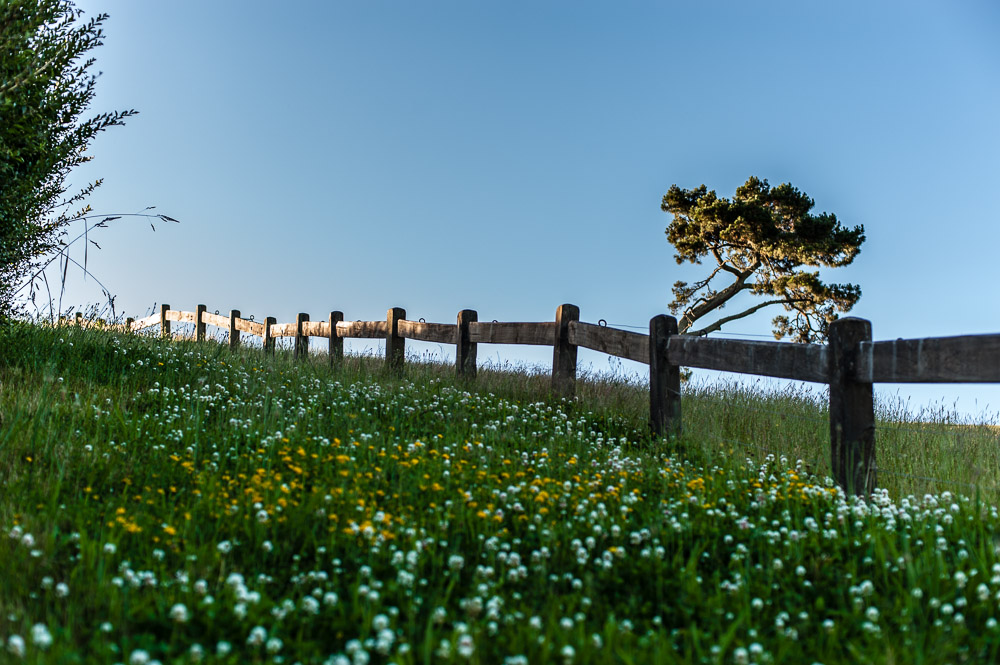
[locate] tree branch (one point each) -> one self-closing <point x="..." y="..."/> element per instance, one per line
<point x="723" y="296"/>
<point x="759" y="306"/>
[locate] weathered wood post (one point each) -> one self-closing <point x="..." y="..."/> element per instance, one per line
<point x="664" y="379"/>
<point x="336" y="342"/>
<point x="199" y="324"/>
<point x="269" y="341"/>
<point x="465" y="351"/>
<point x="128" y="324"/>
<point x="301" y="340"/>
<point x="234" y="333"/>
<point x="79" y="319"/>
<point x="164" y="323"/>
<point x="852" y="409"/>
<point x="564" y="353"/>
<point x="395" y="346"/>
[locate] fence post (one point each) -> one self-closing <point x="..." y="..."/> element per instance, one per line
<point x="269" y="342"/>
<point x="336" y="343"/>
<point x="852" y="409"/>
<point x="234" y="334"/>
<point x="301" y="341"/>
<point x="395" y="346"/>
<point x="164" y="323"/>
<point x="199" y="325"/>
<point x="664" y="379"/>
<point x="564" y="353"/>
<point x="465" y="351"/>
<point x="79" y="319"/>
<point x="128" y="324"/>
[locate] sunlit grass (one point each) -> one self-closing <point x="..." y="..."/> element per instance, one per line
<point x="174" y="502"/>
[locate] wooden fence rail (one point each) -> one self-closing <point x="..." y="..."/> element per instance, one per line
<point x="850" y="364"/>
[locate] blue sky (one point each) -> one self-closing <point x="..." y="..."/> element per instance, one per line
<point x="509" y="157"/>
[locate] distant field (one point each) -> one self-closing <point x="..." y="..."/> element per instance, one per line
<point x="176" y="503"/>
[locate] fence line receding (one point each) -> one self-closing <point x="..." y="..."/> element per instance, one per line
<point x="850" y="364"/>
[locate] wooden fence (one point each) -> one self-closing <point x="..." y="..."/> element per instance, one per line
<point x="850" y="364"/>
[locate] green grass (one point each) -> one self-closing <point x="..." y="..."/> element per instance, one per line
<point x="174" y="502"/>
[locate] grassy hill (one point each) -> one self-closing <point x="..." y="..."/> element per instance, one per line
<point x="172" y="502"/>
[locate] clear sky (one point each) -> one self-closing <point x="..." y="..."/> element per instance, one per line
<point x="511" y="156"/>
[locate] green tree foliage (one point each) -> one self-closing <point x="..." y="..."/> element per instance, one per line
<point x="46" y="84"/>
<point x="760" y="241"/>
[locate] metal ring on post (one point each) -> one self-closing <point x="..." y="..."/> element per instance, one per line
<point x="251" y="317"/>
<point x="602" y="323"/>
<point x="423" y="320"/>
<point x="216" y="312"/>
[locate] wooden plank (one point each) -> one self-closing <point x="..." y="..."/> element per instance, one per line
<point x="315" y="328"/>
<point x="395" y="343"/>
<point x="614" y="342"/>
<point x="180" y="316"/>
<point x="364" y="329"/>
<point x="783" y="360"/>
<point x="564" y="352"/>
<point x="248" y="326"/>
<point x="542" y="334"/>
<point x="852" y="409"/>
<point x="664" y="378"/>
<point x="164" y="321"/>
<point x="961" y="359"/>
<point x="283" y="329"/>
<point x="428" y="332"/>
<point x="465" y="349"/>
<point x="153" y="320"/>
<point x="215" y="319"/>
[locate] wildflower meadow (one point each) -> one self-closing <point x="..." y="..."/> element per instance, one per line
<point x="172" y="502"/>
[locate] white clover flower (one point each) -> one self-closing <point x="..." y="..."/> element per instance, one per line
<point x="15" y="645"/>
<point x="568" y="654"/>
<point x="62" y="590"/>
<point x="110" y="548"/>
<point x="310" y="605"/>
<point x="258" y="634"/>
<point x="741" y="656"/>
<point x="201" y="587"/>
<point x="535" y="622"/>
<point x="196" y="653"/>
<point x="380" y="622"/>
<point x="139" y="657"/>
<point x="41" y="636"/>
<point x="267" y="546"/>
<point x="225" y="547"/>
<point x="179" y="613"/>
<point x="330" y="598"/>
<point x="223" y="648"/>
<point x="273" y="645"/>
<point x="466" y="646"/>
<point x="262" y="516"/>
<point x="872" y="614"/>
<point x="456" y="562"/>
<point x="566" y="623"/>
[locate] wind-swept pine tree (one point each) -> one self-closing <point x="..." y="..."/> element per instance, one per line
<point x="761" y="241"/>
